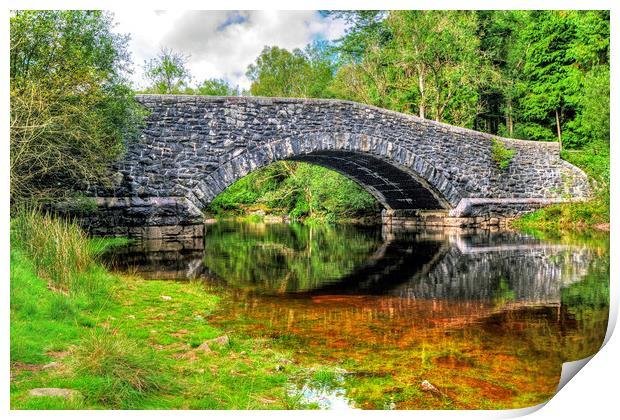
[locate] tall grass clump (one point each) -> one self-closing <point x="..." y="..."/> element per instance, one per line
<point x="118" y="371"/>
<point x="59" y="249"/>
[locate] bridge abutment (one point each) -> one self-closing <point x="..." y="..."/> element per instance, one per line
<point x="441" y="219"/>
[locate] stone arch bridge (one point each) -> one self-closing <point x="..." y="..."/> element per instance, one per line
<point x="193" y="147"/>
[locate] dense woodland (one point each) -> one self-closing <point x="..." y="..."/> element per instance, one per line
<point x="539" y="75"/>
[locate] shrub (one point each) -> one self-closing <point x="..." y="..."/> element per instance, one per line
<point x="72" y="108"/>
<point x="501" y="155"/>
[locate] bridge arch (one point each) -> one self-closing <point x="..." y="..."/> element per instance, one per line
<point x="395" y="176"/>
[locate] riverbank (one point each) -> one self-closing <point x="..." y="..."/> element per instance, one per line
<point x="271" y="218"/>
<point x="103" y="341"/>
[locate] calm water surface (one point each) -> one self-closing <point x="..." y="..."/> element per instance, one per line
<point x="486" y="318"/>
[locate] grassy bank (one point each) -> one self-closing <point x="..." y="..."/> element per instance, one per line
<point x="591" y="214"/>
<point x="122" y="342"/>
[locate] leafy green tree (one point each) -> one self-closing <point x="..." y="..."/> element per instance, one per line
<point x="503" y="45"/>
<point x="168" y="72"/>
<point x="278" y="72"/>
<point x="304" y="74"/>
<point x="71" y="106"/>
<point x="422" y="62"/>
<point x="550" y="76"/>
<point x="594" y="118"/>
<point x="216" y="87"/>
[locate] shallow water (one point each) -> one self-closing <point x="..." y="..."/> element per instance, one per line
<point x="486" y="318"/>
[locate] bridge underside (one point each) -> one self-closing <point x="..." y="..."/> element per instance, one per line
<point x="393" y="187"/>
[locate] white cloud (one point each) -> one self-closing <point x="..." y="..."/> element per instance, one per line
<point x="220" y="43"/>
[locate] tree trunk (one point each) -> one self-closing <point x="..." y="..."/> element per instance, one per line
<point x="509" y="121"/>
<point x="558" y="126"/>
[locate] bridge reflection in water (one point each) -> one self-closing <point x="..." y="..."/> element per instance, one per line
<point x="476" y="313"/>
<point x="279" y="258"/>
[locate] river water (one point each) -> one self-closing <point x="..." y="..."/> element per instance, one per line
<point x="406" y="319"/>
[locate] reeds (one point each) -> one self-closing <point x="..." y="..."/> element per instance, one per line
<point x="58" y="247"/>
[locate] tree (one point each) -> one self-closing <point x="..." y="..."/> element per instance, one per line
<point x="503" y="45"/>
<point x="216" y="87"/>
<point x="167" y="72"/>
<point x="303" y="74"/>
<point x="278" y="72"/>
<point x="71" y="106"/>
<point x="423" y="62"/>
<point x="549" y="73"/>
<point x="594" y="105"/>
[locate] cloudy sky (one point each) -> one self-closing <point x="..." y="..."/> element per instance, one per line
<point x="220" y="44"/>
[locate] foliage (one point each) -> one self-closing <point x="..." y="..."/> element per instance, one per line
<point x="592" y="123"/>
<point x="304" y="74"/>
<point x="58" y="247"/>
<point x="501" y="155"/>
<point x="299" y="189"/>
<point x="539" y="75"/>
<point x="167" y="72"/>
<point x="216" y="87"/>
<point x="71" y="107"/>
<point x="425" y="62"/>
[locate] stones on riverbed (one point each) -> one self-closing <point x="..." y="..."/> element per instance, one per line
<point x="55" y="392"/>
<point x="166" y="297"/>
<point x="426" y="386"/>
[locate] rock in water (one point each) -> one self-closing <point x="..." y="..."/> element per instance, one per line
<point x="54" y="392"/>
